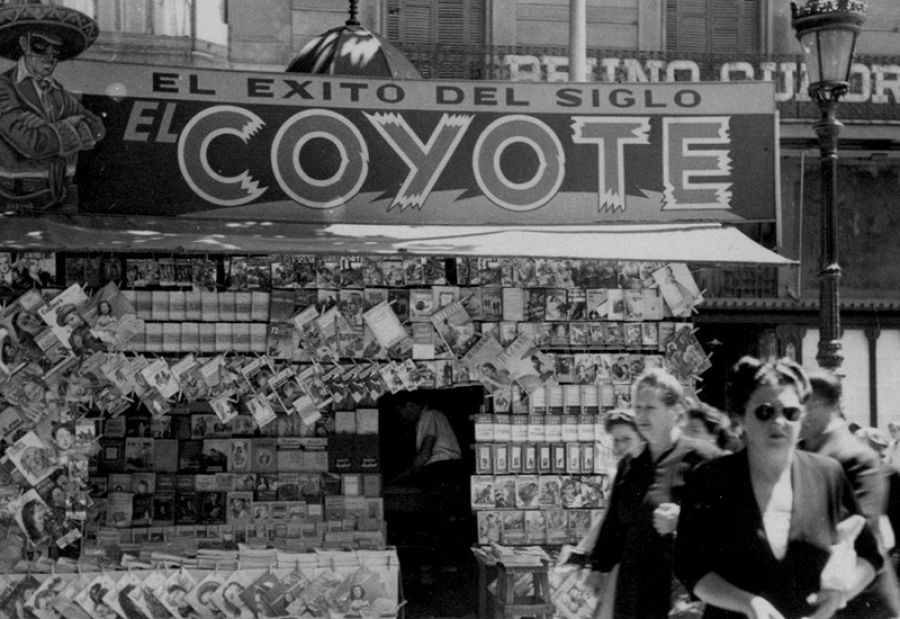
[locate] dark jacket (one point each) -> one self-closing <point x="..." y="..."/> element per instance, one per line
<point x="868" y="476"/>
<point x="627" y="536"/>
<point x="721" y="531"/>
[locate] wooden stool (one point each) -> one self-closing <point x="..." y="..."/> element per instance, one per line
<point x="508" y="606"/>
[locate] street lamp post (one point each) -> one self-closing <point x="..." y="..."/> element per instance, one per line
<point x="827" y="30"/>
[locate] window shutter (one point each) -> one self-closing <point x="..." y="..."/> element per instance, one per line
<point x="750" y="17"/>
<point x="451" y="22"/>
<point x="474" y="26"/>
<point x="417" y="21"/>
<point x="393" y="20"/>
<point x="686" y="23"/>
<point x="712" y="26"/>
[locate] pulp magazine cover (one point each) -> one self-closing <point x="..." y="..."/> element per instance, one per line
<point x="385" y="325"/>
<point x="678" y="288"/>
<point x="455" y="327"/>
<point x="527" y="365"/>
<point x="483" y="365"/>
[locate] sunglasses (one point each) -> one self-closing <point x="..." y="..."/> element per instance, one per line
<point x="765" y="412"/>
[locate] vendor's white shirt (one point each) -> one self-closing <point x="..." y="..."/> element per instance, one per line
<point x="435" y="423"/>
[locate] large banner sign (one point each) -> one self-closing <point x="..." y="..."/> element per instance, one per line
<point x="272" y="146"/>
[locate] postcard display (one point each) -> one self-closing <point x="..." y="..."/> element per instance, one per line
<point x="176" y="404"/>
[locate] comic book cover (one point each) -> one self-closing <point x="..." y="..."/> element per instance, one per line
<point x="482" y="492"/>
<point x="653" y="304"/>
<point x="555" y="305"/>
<point x="421" y="304"/>
<point x="535" y="527"/>
<point x="204" y="274"/>
<point x="159" y="375"/>
<point x="456" y="328"/>
<point x="633" y="335"/>
<point x="435" y="270"/>
<point x="423" y="336"/>
<point x="374" y="296"/>
<point x="33" y="458"/>
<point x="392" y="271"/>
<point x="489" y="272"/>
<point x="678" y="288"/>
<point x="481" y="360"/>
<point x="616" y="303"/>
<point x="634" y="305"/>
<point x="535" y="305"/>
<point x="414" y="270"/>
<point x="302" y="271"/>
<point x="328" y="271"/>
<point x="458" y="271"/>
<point x="526" y="363"/>
<point x="350" y="304"/>
<point x="488" y="527"/>
<point x="512" y="532"/>
<point x="352" y="270"/>
<point x="385" y="325"/>
<point x="398" y="299"/>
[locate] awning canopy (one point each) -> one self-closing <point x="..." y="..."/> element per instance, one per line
<point x="696" y="243"/>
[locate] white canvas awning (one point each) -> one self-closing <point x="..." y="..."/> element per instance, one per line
<point x="696" y="243"/>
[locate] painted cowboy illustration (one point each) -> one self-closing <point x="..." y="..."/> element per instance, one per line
<point x="42" y="126"/>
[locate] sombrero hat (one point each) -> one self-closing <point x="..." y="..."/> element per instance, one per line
<point x="76" y="30"/>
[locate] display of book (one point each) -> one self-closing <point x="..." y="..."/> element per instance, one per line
<point x="215" y="382"/>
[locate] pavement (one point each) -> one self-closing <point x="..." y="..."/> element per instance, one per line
<point x="439" y="594"/>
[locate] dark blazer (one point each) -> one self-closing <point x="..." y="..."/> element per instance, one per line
<point x="868" y="476"/>
<point x="721" y="531"/>
<point x="627" y="536"/>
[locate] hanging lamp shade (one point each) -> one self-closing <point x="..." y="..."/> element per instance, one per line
<point x="352" y="49"/>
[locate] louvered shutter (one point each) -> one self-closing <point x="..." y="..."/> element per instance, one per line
<point x="417" y="21"/>
<point x="686" y="22"/>
<point x="474" y="28"/>
<point x="712" y="26"/>
<point x="393" y="20"/>
<point x="750" y="16"/>
<point x="449" y="22"/>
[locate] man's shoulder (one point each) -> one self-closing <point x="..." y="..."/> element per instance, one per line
<point x="844" y="447"/>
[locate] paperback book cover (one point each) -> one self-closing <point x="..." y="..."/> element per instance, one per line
<point x="456" y="328"/>
<point x="482" y="362"/>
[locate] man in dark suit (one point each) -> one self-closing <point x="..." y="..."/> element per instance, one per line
<point x="825" y="431"/>
<point x="43" y="127"/>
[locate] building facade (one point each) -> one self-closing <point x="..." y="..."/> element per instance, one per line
<point x="748" y="310"/>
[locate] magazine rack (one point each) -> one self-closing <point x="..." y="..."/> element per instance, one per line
<point x="508" y="606"/>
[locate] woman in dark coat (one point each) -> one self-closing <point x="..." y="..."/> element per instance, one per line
<point x="757" y="527"/>
<point x="638" y="530"/>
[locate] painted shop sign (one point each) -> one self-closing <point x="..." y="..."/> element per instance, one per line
<point x="293" y="147"/>
<point x="869" y="83"/>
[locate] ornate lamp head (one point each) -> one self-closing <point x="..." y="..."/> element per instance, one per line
<point x="827" y="31"/>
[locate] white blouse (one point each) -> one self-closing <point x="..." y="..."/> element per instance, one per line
<point x="777" y="515"/>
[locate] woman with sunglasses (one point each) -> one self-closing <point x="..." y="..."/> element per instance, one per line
<point x="757" y="527"/>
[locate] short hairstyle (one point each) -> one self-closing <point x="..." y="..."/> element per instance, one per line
<point x="619" y="417"/>
<point x="708" y="415"/>
<point x="670" y="389"/>
<point x="749" y="373"/>
<point x="827" y="386"/>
